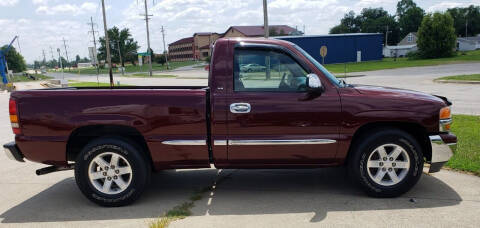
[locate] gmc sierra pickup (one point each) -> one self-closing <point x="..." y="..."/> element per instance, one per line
<point x="288" y="113"/>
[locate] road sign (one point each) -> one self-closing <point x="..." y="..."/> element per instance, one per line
<point x="323" y="53"/>
<point x="144" y="54"/>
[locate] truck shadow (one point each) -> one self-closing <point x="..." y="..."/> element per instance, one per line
<point x="240" y="192"/>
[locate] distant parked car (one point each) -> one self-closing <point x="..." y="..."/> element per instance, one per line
<point x="253" y="67"/>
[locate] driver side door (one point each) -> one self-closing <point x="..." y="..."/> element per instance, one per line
<point x="270" y="122"/>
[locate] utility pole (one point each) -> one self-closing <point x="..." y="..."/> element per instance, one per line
<point x="265" y="18"/>
<point x="386" y="37"/>
<point x="120" y="55"/>
<point x="303" y="29"/>
<point x="60" y="60"/>
<point x="466" y="27"/>
<point x="44" y="58"/>
<point x="266" y="30"/>
<point x="107" y="45"/>
<point x="66" y="52"/>
<point x="148" y="39"/>
<point x="94" y="45"/>
<point x="53" y="57"/>
<point x="165" y="50"/>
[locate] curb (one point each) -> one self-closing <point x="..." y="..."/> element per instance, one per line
<point x="349" y="76"/>
<point x="457" y="81"/>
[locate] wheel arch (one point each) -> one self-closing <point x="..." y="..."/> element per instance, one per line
<point x="82" y="135"/>
<point x="416" y="130"/>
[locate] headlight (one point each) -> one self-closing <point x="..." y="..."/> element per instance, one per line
<point x="445" y="119"/>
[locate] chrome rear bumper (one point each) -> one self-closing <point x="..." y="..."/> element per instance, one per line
<point x="441" y="152"/>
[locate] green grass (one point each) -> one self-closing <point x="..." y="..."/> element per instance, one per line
<point x="89" y="84"/>
<point x="131" y="69"/>
<point x="467" y="156"/>
<point x="23" y="78"/>
<point x="145" y="75"/>
<point x="389" y="63"/>
<point x="469" y="77"/>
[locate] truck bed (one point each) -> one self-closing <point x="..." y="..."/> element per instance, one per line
<point x="156" y="113"/>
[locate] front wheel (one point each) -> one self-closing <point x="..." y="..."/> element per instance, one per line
<point x="387" y="163"/>
<point x="111" y="172"/>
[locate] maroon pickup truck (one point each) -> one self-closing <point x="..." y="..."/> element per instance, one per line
<point x="268" y="104"/>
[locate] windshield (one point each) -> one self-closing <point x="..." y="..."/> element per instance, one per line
<point x="319" y="66"/>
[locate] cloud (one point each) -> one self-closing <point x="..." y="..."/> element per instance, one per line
<point x="442" y="6"/>
<point x="73" y="9"/>
<point x="8" y="2"/>
<point x="38" y="35"/>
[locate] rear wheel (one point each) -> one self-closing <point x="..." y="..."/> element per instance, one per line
<point x="111" y="172"/>
<point x="387" y="163"/>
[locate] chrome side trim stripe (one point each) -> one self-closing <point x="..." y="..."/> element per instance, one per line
<point x="281" y="142"/>
<point x="219" y="142"/>
<point x="185" y="142"/>
<point x="249" y="142"/>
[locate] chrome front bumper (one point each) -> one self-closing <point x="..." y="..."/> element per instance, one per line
<point x="441" y="152"/>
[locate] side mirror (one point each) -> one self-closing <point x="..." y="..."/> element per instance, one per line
<point x="314" y="83"/>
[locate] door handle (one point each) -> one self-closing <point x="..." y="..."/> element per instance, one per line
<point x="240" y="108"/>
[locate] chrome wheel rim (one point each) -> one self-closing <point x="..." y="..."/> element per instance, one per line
<point x="110" y="173"/>
<point x="388" y="164"/>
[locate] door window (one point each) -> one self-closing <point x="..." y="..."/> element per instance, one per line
<point x="267" y="71"/>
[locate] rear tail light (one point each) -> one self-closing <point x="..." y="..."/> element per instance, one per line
<point x="12" y="108"/>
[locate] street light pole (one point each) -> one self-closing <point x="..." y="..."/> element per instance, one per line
<point x="107" y="45"/>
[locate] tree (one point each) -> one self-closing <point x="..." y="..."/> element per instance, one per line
<point x="436" y="36"/>
<point x="409" y="16"/>
<point x="376" y="20"/>
<point x="468" y="16"/>
<point x="36" y="64"/>
<point x="15" y="61"/>
<point x="119" y="38"/>
<point x="160" y="59"/>
<point x="370" y="20"/>
<point x="349" y="24"/>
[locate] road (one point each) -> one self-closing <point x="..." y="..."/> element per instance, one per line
<point x="464" y="96"/>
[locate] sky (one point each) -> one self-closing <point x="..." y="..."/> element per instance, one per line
<point x="41" y="24"/>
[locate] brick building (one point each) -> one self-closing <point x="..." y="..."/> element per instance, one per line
<point x="198" y="47"/>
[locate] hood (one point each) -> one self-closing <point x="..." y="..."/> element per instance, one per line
<point x="398" y="94"/>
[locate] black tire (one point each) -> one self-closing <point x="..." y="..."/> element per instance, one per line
<point x="357" y="164"/>
<point x="140" y="171"/>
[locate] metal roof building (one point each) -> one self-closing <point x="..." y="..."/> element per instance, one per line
<point x="353" y="47"/>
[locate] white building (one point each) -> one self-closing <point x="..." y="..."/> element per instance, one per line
<point x="468" y="43"/>
<point x="399" y="50"/>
